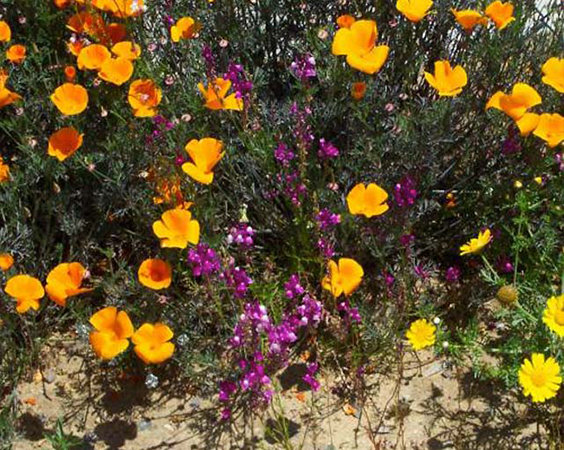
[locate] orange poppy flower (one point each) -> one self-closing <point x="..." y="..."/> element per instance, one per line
<point x="550" y="129"/>
<point x="92" y="57"/>
<point x="75" y="46"/>
<point x="176" y="228"/>
<point x="116" y="32"/>
<point x="16" y="53"/>
<point x="7" y="97"/>
<point x="5" y="32"/>
<point x="144" y="97"/>
<point x="123" y="8"/>
<point x="446" y="80"/>
<point x="84" y="22"/>
<point x="358" y="90"/>
<point x="414" y="10"/>
<point x="216" y="96"/>
<point x="501" y="13"/>
<point x="358" y="43"/>
<point x="468" y="18"/>
<point x="112" y="330"/>
<point x="151" y="343"/>
<point x="6" y="261"/>
<point x="368" y="200"/>
<point x="64" y="143"/>
<point x="26" y="290"/>
<point x="343" y="278"/>
<point x="345" y="21"/>
<point x="116" y="70"/>
<point x="185" y="28"/>
<point x="515" y="105"/>
<point x="62" y="4"/>
<point x="155" y="274"/>
<point x="64" y="281"/>
<point x="70" y="99"/>
<point x="205" y="154"/>
<point x="127" y="50"/>
<point x="553" y="71"/>
<point x="70" y="73"/>
<point x="4" y="171"/>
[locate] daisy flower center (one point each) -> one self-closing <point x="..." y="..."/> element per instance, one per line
<point x="538" y="379"/>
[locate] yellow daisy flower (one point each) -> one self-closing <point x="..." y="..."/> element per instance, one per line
<point x="540" y="378"/>
<point x="476" y="244"/>
<point x="421" y="334"/>
<point x="553" y="315"/>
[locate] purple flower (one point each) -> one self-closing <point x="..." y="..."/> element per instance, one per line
<point x="406" y="239"/>
<point x="326" y="248"/>
<point x="209" y="60"/>
<point x="504" y="265"/>
<point x="293" y="288"/>
<point x="405" y="192"/>
<point x="226" y="388"/>
<point x="283" y="154"/>
<point x="349" y="313"/>
<point x="225" y="414"/>
<point x="237" y="279"/>
<point x="241" y="234"/>
<point x="204" y="261"/>
<point x="326" y="219"/>
<point x="452" y="274"/>
<point x="327" y="150"/>
<point x="241" y="85"/>
<point x="303" y="67"/>
<point x="309" y="377"/>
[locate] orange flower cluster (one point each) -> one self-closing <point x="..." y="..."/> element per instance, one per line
<point x="113" y="328"/>
<point x="63" y="281"/>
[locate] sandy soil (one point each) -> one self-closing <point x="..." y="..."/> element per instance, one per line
<point x="423" y="404"/>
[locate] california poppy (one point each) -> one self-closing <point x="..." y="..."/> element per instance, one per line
<point x="6" y="261"/>
<point x="65" y="281"/>
<point x="468" y="18"/>
<point x="368" y="200"/>
<point x="70" y="99"/>
<point x="176" y="228"/>
<point x="5" y="32"/>
<point x="26" y="290"/>
<point x="516" y="104"/>
<point x="155" y="274"/>
<point x="501" y="13"/>
<point x="64" y="143"/>
<point x="185" y="28"/>
<point x="152" y="343"/>
<point x="4" y="171"/>
<point x="358" y="43"/>
<point x="205" y="154"/>
<point x="550" y="129"/>
<point x="16" y="54"/>
<point x="358" y="90"/>
<point x="7" y="97"/>
<point x="553" y="71"/>
<point x="144" y="97"/>
<point x="92" y="57"/>
<point x="112" y="328"/>
<point x="216" y="95"/>
<point x="414" y="10"/>
<point x="344" y="277"/>
<point x="116" y="70"/>
<point x="127" y="50"/>
<point x="345" y="21"/>
<point x="446" y="80"/>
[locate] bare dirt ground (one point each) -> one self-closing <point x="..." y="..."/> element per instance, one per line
<point x="422" y="405"/>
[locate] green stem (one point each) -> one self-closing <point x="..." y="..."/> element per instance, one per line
<point x="490" y="268"/>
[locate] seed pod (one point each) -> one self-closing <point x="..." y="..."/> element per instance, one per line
<point x="507" y="294"/>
